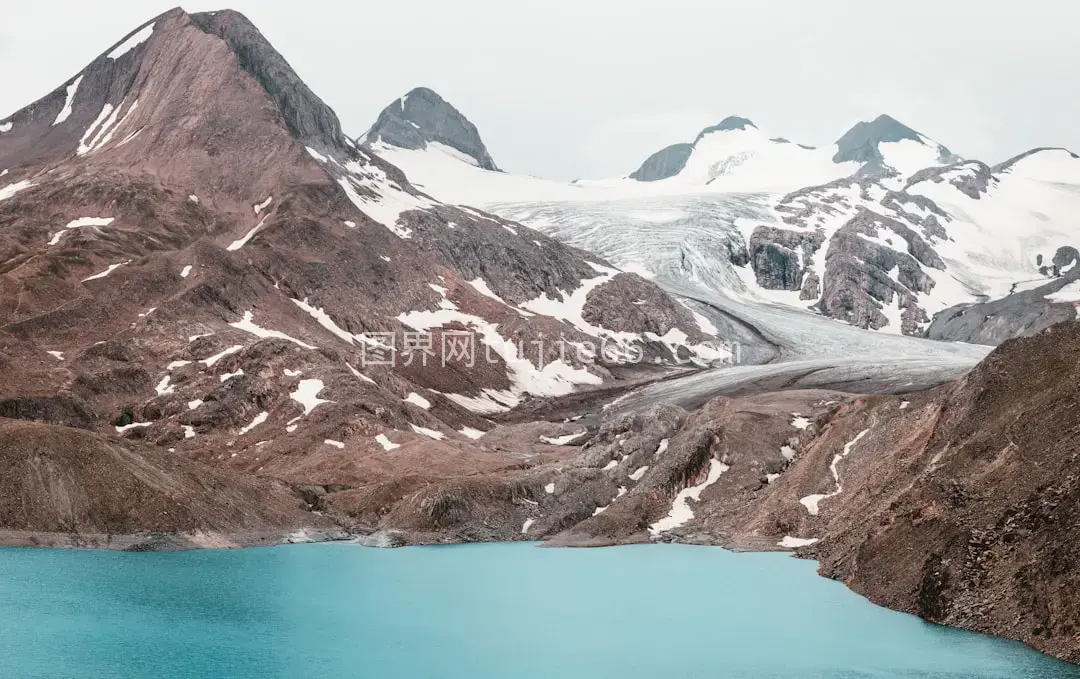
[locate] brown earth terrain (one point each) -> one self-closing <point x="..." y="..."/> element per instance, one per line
<point x="184" y="291"/>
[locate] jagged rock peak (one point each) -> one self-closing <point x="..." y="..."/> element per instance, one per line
<point x="309" y="119"/>
<point x="220" y="73"/>
<point x="422" y="117"/>
<point x="861" y="143"/>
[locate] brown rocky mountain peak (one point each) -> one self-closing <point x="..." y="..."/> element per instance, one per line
<point x="192" y="255"/>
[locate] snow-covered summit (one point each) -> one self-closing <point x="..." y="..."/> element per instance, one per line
<point x="1057" y="165"/>
<point x="671" y="160"/>
<point x="736" y="155"/>
<point x="886" y="146"/>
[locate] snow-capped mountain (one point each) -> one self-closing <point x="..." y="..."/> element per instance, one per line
<point x="885" y="147"/>
<point x="734" y="155"/>
<point x="887" y="259"/>
<point x="883" y="229"/>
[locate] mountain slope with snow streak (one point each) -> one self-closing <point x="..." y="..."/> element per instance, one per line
<point x="227" y="275"/>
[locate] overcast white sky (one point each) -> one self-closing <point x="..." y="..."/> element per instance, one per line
<point x="589" y="88"/>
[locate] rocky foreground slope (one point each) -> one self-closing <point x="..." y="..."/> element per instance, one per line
<point x="958" y="504"/>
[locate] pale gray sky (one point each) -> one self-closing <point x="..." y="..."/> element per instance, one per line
<point x="589" y="88"/>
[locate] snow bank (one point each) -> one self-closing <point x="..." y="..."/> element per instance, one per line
<point x="136" y="39"/>
<point x="133" y="425"/>
<point x="556" y="378"/>
<point x="307" y="395"/>
<point x="430" y="433"/>
<point x="263" y="205"/>
<point x="386" y="443"/>
<point x="418" y="401"/>
<point x="249" y="326"/>
<point x="237" y="244"/>
<point x="794" y="543"/>
<point x="209" y="362"/>
<point x="259" y="419"/>
<point x="563" y="440"/>
<point x="361" y="376"/>
<point x="65" y="112"/>
<point x="811" y="502"/>
<point x="680" y="509"/>
<point x="163" y="387"/>
<point x="106" y="272"/>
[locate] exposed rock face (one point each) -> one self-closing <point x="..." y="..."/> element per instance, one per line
<point x="974" y="183"/>
<point x="667" y="162"/>
<point x="779" y="256"/>
<point x="861" y="144"/>
<point x="973" y="526"/>
<point x="728" y="124"/>
<point x="858" y="251"/>
<point x="651" y="312"/>
<point x="864" y="274"/>
<point x="1065" y="259"/>
<point x="309" y="119"/>
<point x="1021" y="314"/>
<point x="58" y="480"/>
<point x="422" y="117"/>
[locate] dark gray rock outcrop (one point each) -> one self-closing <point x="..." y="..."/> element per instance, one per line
<point x="861" y="144"/>
<point x="665" y="163"/>
<point x="972" y="178"/>
<point x="1020" y="314"/>
<point x="729" y="124"/>
<point x="1065" y="259"/>
<point x="422" y="117"/>
<point x="779" y="256"/>
<point x="862" y="276"/>
<point x="309" y="119"/>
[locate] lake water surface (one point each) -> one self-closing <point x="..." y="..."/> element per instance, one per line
<point x="508" y="611"/>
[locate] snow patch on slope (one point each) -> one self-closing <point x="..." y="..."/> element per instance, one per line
<point x="680" y="508"/>
<point x="65" y="112"/>
<point x="811" y="502"/>
<point x="136" y="39"/>
<point x="248" y="325"/>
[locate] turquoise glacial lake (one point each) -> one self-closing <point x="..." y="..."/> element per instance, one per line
<point x="509" y="611"/>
